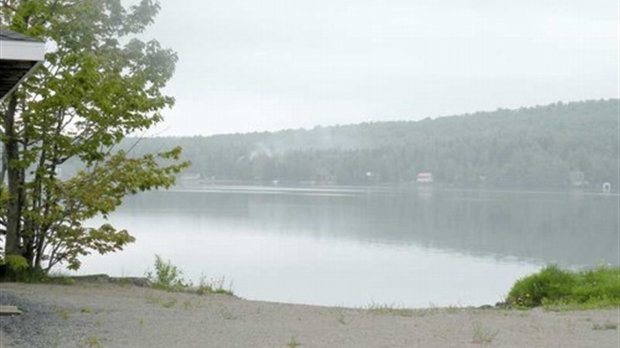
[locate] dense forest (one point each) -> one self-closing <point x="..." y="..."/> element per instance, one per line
<point x="544" y="147"/>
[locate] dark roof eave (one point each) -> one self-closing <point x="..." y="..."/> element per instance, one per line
<point x="19" y="57"/>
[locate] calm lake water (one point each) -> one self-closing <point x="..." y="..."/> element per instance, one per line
<point x="358" y="246"/>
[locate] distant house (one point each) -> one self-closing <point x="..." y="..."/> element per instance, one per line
<point x="424" y="178"/>
<point x="19" y="56"/>
<point x="606" y="187"/>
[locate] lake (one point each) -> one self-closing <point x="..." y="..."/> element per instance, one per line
<point x="356" y="246"/>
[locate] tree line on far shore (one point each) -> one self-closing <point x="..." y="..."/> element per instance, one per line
<point x="554" y="146"/>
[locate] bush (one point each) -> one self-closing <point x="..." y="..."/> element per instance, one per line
<point x="553" y="287"/>
<point x="170" y="278"/>
<point x="598" y="285"/>
<point x="15" y="268"/>
<point x="167" y="276"/>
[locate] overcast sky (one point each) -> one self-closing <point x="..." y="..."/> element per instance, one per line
<point x="247" y="65"/>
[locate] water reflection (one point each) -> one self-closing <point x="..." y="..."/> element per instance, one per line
<point x="572" y="230"/>
<point x="355" y="246"/>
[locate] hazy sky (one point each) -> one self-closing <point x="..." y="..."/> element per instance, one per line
<point x="247" y="65"/>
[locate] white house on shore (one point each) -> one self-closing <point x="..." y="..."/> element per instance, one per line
<point x="19" y="56"/>
<point x="424" y="178"/>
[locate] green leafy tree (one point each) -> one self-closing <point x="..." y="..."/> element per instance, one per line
<point x="99" y="84"/>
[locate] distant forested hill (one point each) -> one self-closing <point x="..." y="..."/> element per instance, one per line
<point x="544" y="147"/>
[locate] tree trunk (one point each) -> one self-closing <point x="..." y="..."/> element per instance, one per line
<point x="11" y="146"/>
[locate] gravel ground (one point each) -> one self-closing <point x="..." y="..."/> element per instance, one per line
<point x="105" y="315"/>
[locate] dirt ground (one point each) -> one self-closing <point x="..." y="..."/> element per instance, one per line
<point x="105" y="315"/>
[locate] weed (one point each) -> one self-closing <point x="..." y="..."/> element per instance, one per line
<point x="64" y="314"/>
<point x="123" y="281"/>
<point x="170" y="302"/>
<point x="152" y="298"/>
<point x="483" y="335"/>
<point x="385" y="309"/>
<point x="187" y="305"/>
<point x="339" y="314"/>
<point x="59" y="277"/>
<point x="292" y="343"/>
<point x="159" y="300"/>
<point x="608" y="325"/>
<point x="453" y="309"/>
<point x="60" y="280"/>
<point x="94" y="342"/>
<point x="227" y="314"/>
<point x="341" y="318"/>
<point x="213" y="286"/>
<point x="85" y="310"/>
<point x="167" y="276"/>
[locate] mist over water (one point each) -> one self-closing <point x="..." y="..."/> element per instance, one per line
<point x="354" y="246"/>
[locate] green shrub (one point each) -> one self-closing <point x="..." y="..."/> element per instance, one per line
<point x="170" y="278"/>
<point x="16" y="262"/>
<point x="599" y="285"/>
<point x="212" y="286"/>
<point x="16" y="268"/>
<point x="167" y="276"/>
<point x="554" y="287"/>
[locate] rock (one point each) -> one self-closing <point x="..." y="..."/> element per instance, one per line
<point x="93" y="278"/>
<point x="137" y="281"/>
<point x="503" y="305"/>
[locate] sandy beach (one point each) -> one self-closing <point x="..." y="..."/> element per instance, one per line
<point x="108" y="315"/>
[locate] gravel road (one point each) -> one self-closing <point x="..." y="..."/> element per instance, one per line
<point x="106" y="315"/>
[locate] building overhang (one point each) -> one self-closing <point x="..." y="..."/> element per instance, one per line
<point x="19" y="56"/>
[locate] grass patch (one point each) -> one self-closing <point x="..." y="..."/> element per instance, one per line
<point x="188" y="305"/>
<point x="608" y="325"/>
<point x="227" y="314"/>
<point x="94" y="342"/>
<point x="169" y="277"/>
<point x="386" y="309"/>
<point x="64" y="314"/>
<point x="560" y="289"/>
<point x="170" y="302"/>
<point x="292" y="343"/>
<point x="167" y="302"/>
<point x="483" y="335"/>
<point x="340" y="315"/>
<point x="212" y="286"/>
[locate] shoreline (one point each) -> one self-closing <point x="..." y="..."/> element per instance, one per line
<point x="144" y="282"/>
<point x="115" y="315"/>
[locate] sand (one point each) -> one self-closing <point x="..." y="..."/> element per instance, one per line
<point x="108" y="315"/>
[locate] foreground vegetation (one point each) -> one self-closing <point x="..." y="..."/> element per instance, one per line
<point x="556" y="288"/>
<point x="165" y="276"/>
<point x="552" y="288"/>
<point x="169" y="277"/>
<point x="99" y="83"/>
